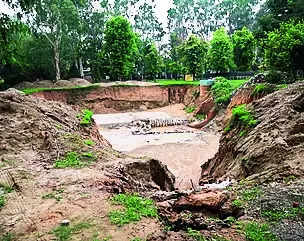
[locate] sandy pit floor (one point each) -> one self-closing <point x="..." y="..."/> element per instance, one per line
<point x="183" y="153"/>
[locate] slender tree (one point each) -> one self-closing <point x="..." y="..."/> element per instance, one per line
<point x="193" y="54"/>
<point x="244" y="46"/>
<point x="220" y="54"/>
<point x="119" y="49"/>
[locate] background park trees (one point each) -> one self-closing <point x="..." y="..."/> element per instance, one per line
<point x="52" y="39"/>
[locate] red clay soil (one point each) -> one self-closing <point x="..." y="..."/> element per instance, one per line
<point x="121" y="98"/>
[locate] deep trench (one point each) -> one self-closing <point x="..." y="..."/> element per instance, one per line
<point x="183" y="153"/>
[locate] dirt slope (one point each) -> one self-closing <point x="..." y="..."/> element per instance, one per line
<point x="270" y="151"/>
<point x="35" y="134"/>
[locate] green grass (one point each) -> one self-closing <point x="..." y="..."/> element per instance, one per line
<point x="177" y="82"/>
<point x="190" y="109"/>
<point x="134" y="208"/>
<point x="57" y="195"/>
<point x="195" y="235"/>
<point x="241" y="117"/>
<point x="222" y="89"/>
<point x="137" y="239"/>
<point x="277" y="215"/>
<point x="76" y="160"/>
<point x="251" y="194"/>
<point x="200" y="116"/>
<point x="258" y="232"/>
<point x="5" y="189"/>
<point x="2" y="201"/>
<point x="247" y="195"/>
<point x="63" y="233"/>
<point x="7" y="237"/>
<point x="30" y="91"/>
<point x="237" y="83"/>
<point x="86" y="117"/>
<point x="89" y="142"/>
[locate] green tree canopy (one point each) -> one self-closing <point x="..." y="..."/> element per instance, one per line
<point x="193" y="54"/>
<point x="243" y="48"/>
<point x="220" y="54"/>
<point x="285" y="47"/>
<point x="119" y="48"/>
<point x="152" y="61"/>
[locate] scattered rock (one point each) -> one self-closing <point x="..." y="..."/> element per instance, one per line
<point x="65" y="222"/>
<point x="206" y="199"/>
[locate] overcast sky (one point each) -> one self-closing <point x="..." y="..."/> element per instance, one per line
<point x="162" y="6"/>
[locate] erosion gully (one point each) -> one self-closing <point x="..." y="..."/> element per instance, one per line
<point x="180" y="147"/>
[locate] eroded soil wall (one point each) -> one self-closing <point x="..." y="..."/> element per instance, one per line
<point x="122" y="98"/>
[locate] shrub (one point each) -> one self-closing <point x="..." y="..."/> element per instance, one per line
<point x="262" y="89"/>
<point x="241" y="117"/>
<point x="86" y="117"/>
<point x="258" y="232"/>
<point x="195" y="235"/>
<point x="135" y="207"/>
<point x="73" y="159"/>
<point x="190" y="109"/>
<point x="222" y="90"/>
<point x="284" y="47"/>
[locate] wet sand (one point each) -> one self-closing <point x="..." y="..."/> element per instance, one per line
<point x="183" y="153"/>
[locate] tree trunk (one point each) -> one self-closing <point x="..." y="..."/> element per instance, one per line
<point x="81" y="68"/>
<point x="57" y="59"/>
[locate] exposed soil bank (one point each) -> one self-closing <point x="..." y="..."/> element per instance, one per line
<point x="270" y="151"/>
<point x="113" y="99"/>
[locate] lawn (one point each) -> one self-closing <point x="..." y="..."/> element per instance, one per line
<point x="238" y="82"/>
<point x="164" y="82"/>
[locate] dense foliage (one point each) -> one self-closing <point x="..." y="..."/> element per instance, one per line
<point x="120" y="40"/>
<point x="220" y="54"/>
<point x="193" y="54"/>
<point x="119" y="48"/>
<point x="243" y="49"/>
<point x="285" y="48"/>
<point x="221" y="90"/>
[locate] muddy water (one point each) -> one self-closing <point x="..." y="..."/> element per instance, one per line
<point x="183" y="153"/>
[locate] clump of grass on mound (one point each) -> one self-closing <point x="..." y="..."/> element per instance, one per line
<point x="4" y="190"/>
<point x="195" y="235"/>
<point x="134" y="208"/>
<point x="262" y="89"/>
<point x="242" y="118"/>
<point x="277" y="215"/>
<point x="223" y="89"/>
<point x="258" y="232"/>
<point x="190" y="109"/>
<point x="76" y="160"/>
<point x="7" y="237"/>
<point x="86" y="117"/>
<point x="63" y="233"/>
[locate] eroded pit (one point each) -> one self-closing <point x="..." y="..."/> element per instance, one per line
<point x="180" y="147"/>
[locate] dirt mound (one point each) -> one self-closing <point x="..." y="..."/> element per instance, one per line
<point x="64" y="83"/>
<point x="40" y="132"/>
<point x="77" y="81"/>
<point x="274" y="148"/>
<point x="24" y="85"/>
<point x="40" y="129"/>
